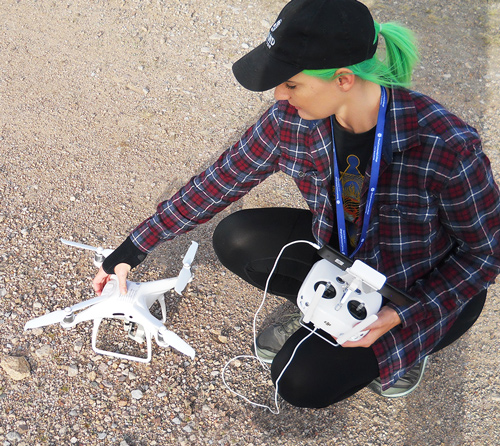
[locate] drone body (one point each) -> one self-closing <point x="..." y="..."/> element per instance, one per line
<point x="132" y="308"/>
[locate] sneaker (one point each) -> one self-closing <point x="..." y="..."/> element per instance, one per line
<point x="270" y="341"/>
<point x="404" y="385"/>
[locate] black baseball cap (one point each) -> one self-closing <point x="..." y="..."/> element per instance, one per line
<point x="309" y="35"/>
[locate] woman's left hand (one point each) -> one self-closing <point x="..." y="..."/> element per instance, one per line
<point x="388" y="318"/>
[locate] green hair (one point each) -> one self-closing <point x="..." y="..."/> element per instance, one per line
<point x="395" y="70"/>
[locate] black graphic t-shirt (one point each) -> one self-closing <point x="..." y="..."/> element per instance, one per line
<point x="354" y="151"/>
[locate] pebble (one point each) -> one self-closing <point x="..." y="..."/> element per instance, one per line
<point x="13" y="436"/>
<point x="43" y="352"/>
<point x="78" y="345"/>
<point x="222" y="339"/>
<point x="17" y="367"/>
<point x="137" y="394"/>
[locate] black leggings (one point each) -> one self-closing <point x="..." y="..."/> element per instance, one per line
<point x="247" y="243"/>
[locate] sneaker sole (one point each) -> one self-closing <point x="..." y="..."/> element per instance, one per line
<point x="264" y="355"/>
<point x="411" y="389"/>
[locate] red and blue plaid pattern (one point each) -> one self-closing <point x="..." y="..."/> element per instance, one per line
<point x="435" y="226"/>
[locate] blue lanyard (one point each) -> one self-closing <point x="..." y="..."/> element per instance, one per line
<point x="377" y="157"/>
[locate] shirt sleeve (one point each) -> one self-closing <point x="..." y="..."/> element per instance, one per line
<point x="469" y="209"/>
<point x="235" y="173"/>
<point x="127" y="252"/>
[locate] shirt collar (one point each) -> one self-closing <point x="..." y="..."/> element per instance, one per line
<point x="401" y="132"/>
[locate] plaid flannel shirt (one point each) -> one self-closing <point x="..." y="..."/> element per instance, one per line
<point x="434" y="229"/>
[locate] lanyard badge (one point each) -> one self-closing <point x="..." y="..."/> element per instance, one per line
<point x="375" y="170"/>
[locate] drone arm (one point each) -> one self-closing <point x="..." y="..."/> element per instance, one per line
<point x="157" y="288"/>
<point x="97" y="311"/>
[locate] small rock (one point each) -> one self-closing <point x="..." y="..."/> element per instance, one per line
<point x="13" y="436"/>
<point x="137" y="394"/>
<point x="17" y="367"/>
<point x="43" y="352"/>
<point x="23" y="428"/>
<point x="78" y="345"/>
<point x="72" y="370"/>
<point x="176" y="421"/>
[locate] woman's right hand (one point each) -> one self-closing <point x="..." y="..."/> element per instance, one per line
<point x="102" y="278"/>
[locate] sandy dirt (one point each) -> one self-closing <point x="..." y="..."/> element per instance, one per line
<point x="106" y="108"/>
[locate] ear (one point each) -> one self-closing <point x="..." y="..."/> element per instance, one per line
<point x="345" y="78"/>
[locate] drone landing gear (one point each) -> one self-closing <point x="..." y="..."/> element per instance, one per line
<point x="107" y="340"/>
<point x="135" y="331"/>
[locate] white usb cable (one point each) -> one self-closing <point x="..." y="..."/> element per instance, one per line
<point x="264" y="365"/>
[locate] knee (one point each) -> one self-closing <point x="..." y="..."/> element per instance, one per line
<point x="229" y="237"/>
<point x="301" y="393"/>
<point x="298" y="386"/>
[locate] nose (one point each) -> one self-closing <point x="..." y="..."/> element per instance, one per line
<point x="281" y="93"/>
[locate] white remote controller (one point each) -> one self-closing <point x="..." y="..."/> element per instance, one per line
<point x="356" y="332"/>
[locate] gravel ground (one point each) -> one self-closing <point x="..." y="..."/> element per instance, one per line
<point x="106" y="108"/>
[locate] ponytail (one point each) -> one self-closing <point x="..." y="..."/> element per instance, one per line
<point x="394" y="70"/>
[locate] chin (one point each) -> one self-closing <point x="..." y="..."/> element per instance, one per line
<point x="307" y="116"/>
<point x="304" y="115"/>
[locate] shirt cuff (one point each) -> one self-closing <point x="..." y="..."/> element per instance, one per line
<point x="127" y="253"/>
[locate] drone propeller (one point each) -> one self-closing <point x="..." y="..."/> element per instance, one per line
<point x="167" y="338"/>
<point x="100" y="253"/>
<point x="185" y="274"/>
<point x="79" y="245"/>
<point x="58" y="316"/>
<point x="99" y="250"/>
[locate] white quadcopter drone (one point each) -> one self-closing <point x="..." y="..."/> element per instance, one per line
<point x="132" y="308"/>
